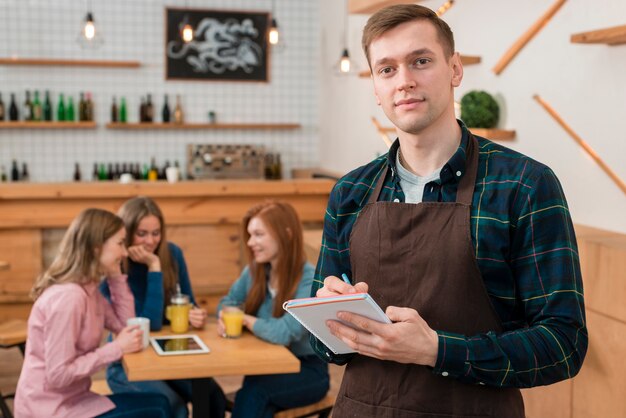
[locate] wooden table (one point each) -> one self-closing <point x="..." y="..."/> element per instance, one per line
<point x="247" y="355"/>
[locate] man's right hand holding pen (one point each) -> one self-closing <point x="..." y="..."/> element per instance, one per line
<point x="408" y="339"/>
<point x="334" y="286"/>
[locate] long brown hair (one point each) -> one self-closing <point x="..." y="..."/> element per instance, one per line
<point x="388" y="18"/>
<point x="78" y="259"/>
<point x="284" y="226"/>
<point x="132" y="212"/>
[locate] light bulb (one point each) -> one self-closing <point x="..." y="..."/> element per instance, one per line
<point x="187" y="33"/>
<point x="344" y="64"/>
<point x="273" y="33"/>
<point x="444" y="7"/>
<point x="89" y="31"/>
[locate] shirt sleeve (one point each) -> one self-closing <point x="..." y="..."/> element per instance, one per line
<point x="121" y="306"/>
<point x="153" y="304"/>
<point x="334" y="259"/>
<point x="183" y="273"/>
<point x="551" y="343"/>
<point x="62" y="327"/>
<point x="238" y="291"/>
<point x="285" y="329"/>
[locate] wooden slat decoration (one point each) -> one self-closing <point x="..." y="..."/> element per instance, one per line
<point x="47" y="125"/>
<point x="69" y="63"/>
<point x="611" y="36"/>
<point x="494" y="134"/>
<point x="195" y="126"/>
<point x="371" y="6"/>
<point x="383" y="131"/>
<point x="465" y="60"/>
<point x="527" y="36"/>
<point x="584" y="145"/>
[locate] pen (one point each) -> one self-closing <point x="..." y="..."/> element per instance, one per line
<point x="345" y="278"/>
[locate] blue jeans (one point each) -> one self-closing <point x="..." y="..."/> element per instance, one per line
<point x="138" y="405"/>
<point x="261" y="396"/>
<point x="177" y="392"/>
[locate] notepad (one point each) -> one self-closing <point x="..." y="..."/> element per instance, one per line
<point x="313" y="313"/>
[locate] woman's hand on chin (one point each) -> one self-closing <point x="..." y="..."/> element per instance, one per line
<point x="138" y="254"/>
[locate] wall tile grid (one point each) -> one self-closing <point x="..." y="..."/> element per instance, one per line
<point x="134" y="30"/>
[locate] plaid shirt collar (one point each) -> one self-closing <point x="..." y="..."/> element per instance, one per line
<point x="454" y="164"/>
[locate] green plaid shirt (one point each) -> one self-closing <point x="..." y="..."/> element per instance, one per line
<point x="526" y="251"/>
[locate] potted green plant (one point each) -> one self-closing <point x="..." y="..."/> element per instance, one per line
<point x="479" y="110"/>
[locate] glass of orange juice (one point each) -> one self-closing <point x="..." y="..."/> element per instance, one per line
<point x="232" y="315"/>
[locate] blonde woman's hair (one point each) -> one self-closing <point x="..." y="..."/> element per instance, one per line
<point x="283" y="223"/>
<point x="78" y="259"/>
<point x="132" y="212"/>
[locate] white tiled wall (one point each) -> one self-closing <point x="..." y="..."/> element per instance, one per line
<point x="134" y="30"/>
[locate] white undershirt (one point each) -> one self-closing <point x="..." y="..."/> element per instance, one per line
<point x="412" y="184"/>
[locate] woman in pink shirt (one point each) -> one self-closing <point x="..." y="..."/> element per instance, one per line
<point x="66" y="324"/>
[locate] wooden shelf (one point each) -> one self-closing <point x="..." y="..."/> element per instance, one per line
<point x="69" y="63"/>
<point x="371" y="6"/>
<point x="47" y="125"/>
<point x="611" y="36"/>
<point x="465" y="60"/>
<point x="494" y="134"/>
<point x="192" y="126"/>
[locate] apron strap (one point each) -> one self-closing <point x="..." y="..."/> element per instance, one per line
<point x="465" y="190"/>
<point x="379" y="186"/>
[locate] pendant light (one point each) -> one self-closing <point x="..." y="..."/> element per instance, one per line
<point x="444" y="7"/>
<point x="345" y="65"/>
<point x="89" y="36"/>
<point x="273" y="36"/>
<point x="186" y="30"/>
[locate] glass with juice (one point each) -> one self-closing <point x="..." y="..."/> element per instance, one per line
<point x="178" y="313"/>
<point x="232" y="315"/>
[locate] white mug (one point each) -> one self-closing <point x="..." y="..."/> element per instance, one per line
<point x="126" y="178"/>
<point x="144" y="325"/>
<point x="172" y="174"/>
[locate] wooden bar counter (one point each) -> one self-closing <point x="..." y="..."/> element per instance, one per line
<point x="203" y="218"/>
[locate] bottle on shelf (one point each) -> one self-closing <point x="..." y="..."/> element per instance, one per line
<point x="142" y="109"/>
<point x="145" y="172"/>
<point x="178" y="111"/>
<point x="102" y="173"/>
<point x="3" y="174"/>
<point x="163" y="172"/>
<point x="69" y="111"/>
<point x="25" y="176"/>
<point x="28" y="107"/>
<point x="36" y="107"/>
<point x="82" y="108"/>
<point x="2" y="112"/>
<point x="77" y="174"/>
<point x="123" y="114"/>
<point x="180" y="173"/>
<point x="47" y="107"/>
<point x="14" y="114"/>
<point x="116" y="172"/>
<point x="277" y="169"/>
<point x="88" y="107"/>
<point x="15" y="172"/>
<point x="153" y="174"/>
<point x="114" y="110"/>
<point x="95" y="174"/>
<point x="165" y="112"/>
<point x="61" y="108"/>
<point x="149" y="109"/>
<point x="110" y="172"/>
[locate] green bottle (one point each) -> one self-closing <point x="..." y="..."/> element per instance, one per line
<point x="102" y="174"/>
<point x="69" y="112"/>
<point x="47" y="108"/>
<point x="36" y="107"/>
<point x="123" y="117"/>
<point x="61" y="109"/>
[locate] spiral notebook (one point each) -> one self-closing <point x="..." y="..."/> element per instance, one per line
<point x="313" y="313"/>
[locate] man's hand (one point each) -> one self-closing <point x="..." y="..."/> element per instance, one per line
<point x="408" y="340"/>
<point x="334" y="286"/>
<point x="140" y="255"/>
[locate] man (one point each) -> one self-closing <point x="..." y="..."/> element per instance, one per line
<point x="481" y="280"/>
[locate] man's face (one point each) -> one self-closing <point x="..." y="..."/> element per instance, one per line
<point x="413" y="80"/>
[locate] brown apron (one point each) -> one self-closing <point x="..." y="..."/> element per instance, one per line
<point x="421" y="256"/>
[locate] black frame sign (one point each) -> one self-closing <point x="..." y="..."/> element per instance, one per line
<point x="228" y="45"/>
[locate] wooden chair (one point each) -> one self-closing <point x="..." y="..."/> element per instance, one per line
<point x="12" y="334"/>
<point x="322" y="408"/>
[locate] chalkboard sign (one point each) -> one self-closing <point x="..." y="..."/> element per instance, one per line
<point x="227" y="45"/>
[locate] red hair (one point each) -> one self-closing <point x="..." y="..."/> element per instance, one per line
<point x="283" y="224"/>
